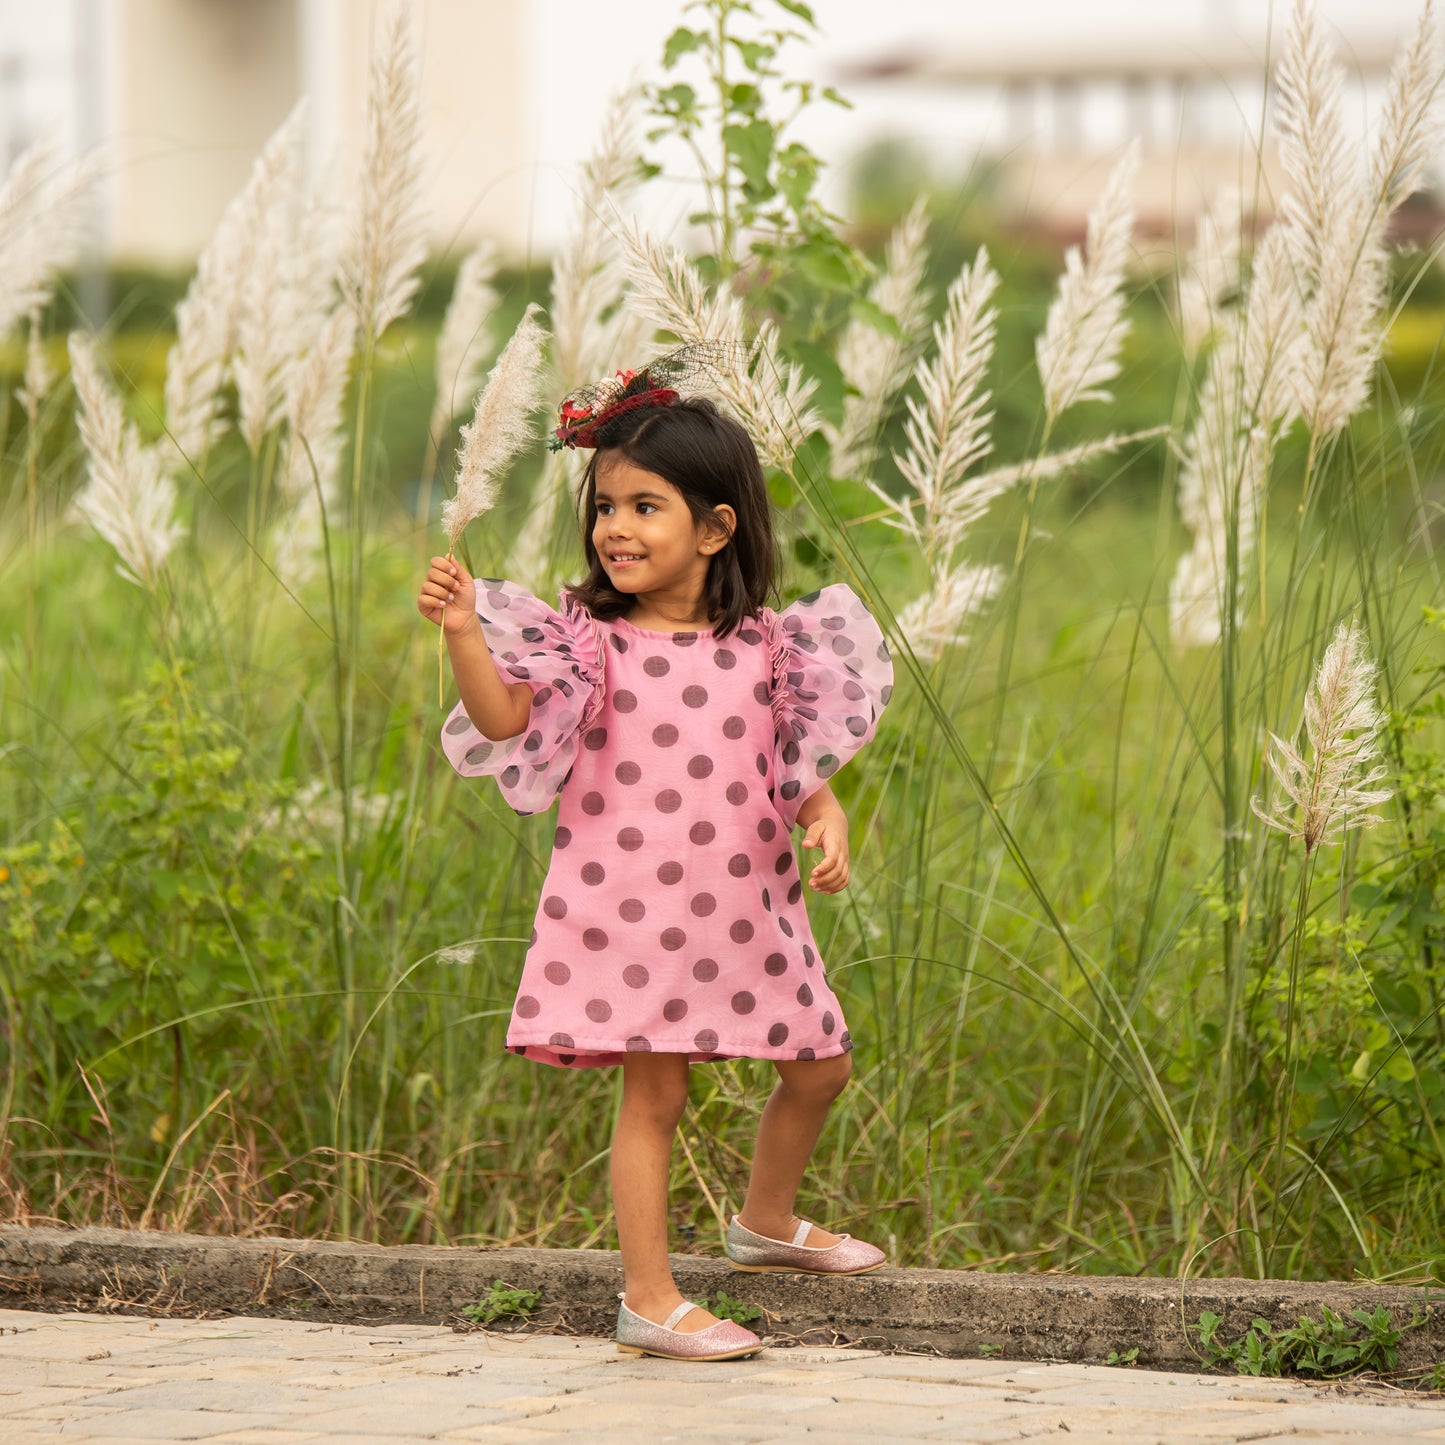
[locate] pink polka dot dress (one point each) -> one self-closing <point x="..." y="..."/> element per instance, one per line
<point x="672" y="917"/>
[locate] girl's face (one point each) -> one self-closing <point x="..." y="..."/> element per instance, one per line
<point x="646" y="538"/>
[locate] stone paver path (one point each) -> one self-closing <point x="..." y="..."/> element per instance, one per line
<point x="272" y="1382"/>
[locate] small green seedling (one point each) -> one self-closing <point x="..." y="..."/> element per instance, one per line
<point x="728" y="1308"/>
<point x="990" y="1352"/>
<point x="503" y="1301"/>
<point x="1123" y="1357"/>
<point x="1331" y="1348"/>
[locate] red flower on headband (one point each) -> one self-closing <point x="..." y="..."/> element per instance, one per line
<point x="571" y="412"/>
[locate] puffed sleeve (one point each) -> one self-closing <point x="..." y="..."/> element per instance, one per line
<point x="560" y="656"/>
<point x="832" y="678"/>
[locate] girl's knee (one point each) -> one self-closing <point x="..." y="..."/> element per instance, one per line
<point x="818" y="1079"/>
<point x="655" y="1086"/>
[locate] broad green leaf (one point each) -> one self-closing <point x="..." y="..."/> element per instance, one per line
<point x="798" y="8"/>
<point x="1399" y="1067"/>
<point x="679" y="97"/>
<point x="871" y="314"/>
<point x="797" y="173"/>
<point x="821" y="364"/>
<point x="824" y="265"/>
<point x="681" y="42"/>
<point x="744" y="98"/>
<point x="754" y="53"/>
<point x="751" y="146"/>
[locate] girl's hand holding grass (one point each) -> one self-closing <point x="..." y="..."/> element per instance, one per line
<point x="449" y="596"/>
<point x="830" y="833"/>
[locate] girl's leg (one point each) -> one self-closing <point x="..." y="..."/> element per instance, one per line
<point x="791" y="1122"/>
<point x="654" y="1094"/>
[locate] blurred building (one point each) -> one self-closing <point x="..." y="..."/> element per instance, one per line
<point x="1068" y="105"/>
<point x="185" y="93"/>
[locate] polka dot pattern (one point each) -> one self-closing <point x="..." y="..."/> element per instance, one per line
<point x="672" y="917"/>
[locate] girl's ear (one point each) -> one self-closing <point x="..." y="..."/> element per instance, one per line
<point x="712" y="537"/>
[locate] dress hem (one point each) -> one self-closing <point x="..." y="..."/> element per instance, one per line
<point x="589" y="1055"/>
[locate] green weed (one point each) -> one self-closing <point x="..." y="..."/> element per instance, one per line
<point x="725" y="1307"/>
<point x="1332" y="1347"/>
<point x="503" y="1301"/>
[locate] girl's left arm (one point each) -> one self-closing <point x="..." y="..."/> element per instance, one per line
<point x="827" y="828"/>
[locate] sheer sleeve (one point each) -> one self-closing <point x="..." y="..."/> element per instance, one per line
<point x="832" y="678"/>
<point x="560" y="656"/>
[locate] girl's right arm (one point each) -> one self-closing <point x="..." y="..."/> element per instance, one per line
<point x="498" y="708"/>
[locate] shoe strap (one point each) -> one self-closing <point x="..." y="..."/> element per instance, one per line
<point x="671" y="1321"/>
<point x="802" y="1231"/>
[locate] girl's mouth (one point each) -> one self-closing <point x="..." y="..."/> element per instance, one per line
<point x="623" y="560"/>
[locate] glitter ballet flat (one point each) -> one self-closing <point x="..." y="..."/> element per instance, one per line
<point x="726" y="1340"/>
<point x="746" y="1250"/>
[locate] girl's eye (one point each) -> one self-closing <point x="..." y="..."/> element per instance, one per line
<point x="604" y="509"/>
<point x="646" y="508"/>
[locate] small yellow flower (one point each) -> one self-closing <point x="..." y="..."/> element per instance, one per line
<point x="4" y="874"/>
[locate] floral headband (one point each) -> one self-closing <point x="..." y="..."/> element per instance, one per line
<point x="584" y="412"/>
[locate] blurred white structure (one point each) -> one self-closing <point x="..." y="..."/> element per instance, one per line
<point x="185" y="92"/>
<point x="1070" y="104"/>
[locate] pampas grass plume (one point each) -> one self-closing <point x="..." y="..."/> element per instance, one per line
<point x="1410" y="123"/>
<point x="43" y="203"/>
<point x="128" y="498"/>
<point x="209" y="318"/>
<point x="873" y="364"/>
<point x="500" y="426"/>
<point x="315" y="393"/>
<point x="1331" y="788"/>
<point x="1078" y="350"/>
<point x="462" y="344"/>
<point x="271" y="326"/>
<point x="39" y="378"/>
<point x="1211" y="270"/>
<point x="388" y="240"/>
<point x="588" y="279"/>
<point x="771" y="397"/>
<point x="934" y="620"/>
<point x="947" y="431"/>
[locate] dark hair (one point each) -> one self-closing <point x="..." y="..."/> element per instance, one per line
<point x="712" y="462"/>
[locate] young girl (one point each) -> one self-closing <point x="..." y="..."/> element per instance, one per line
<point x="686" y="729"/>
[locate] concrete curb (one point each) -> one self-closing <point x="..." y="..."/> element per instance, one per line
<point x="952" y="1312"/>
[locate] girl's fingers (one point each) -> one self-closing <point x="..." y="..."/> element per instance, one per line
<point x="831" y="873"/>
